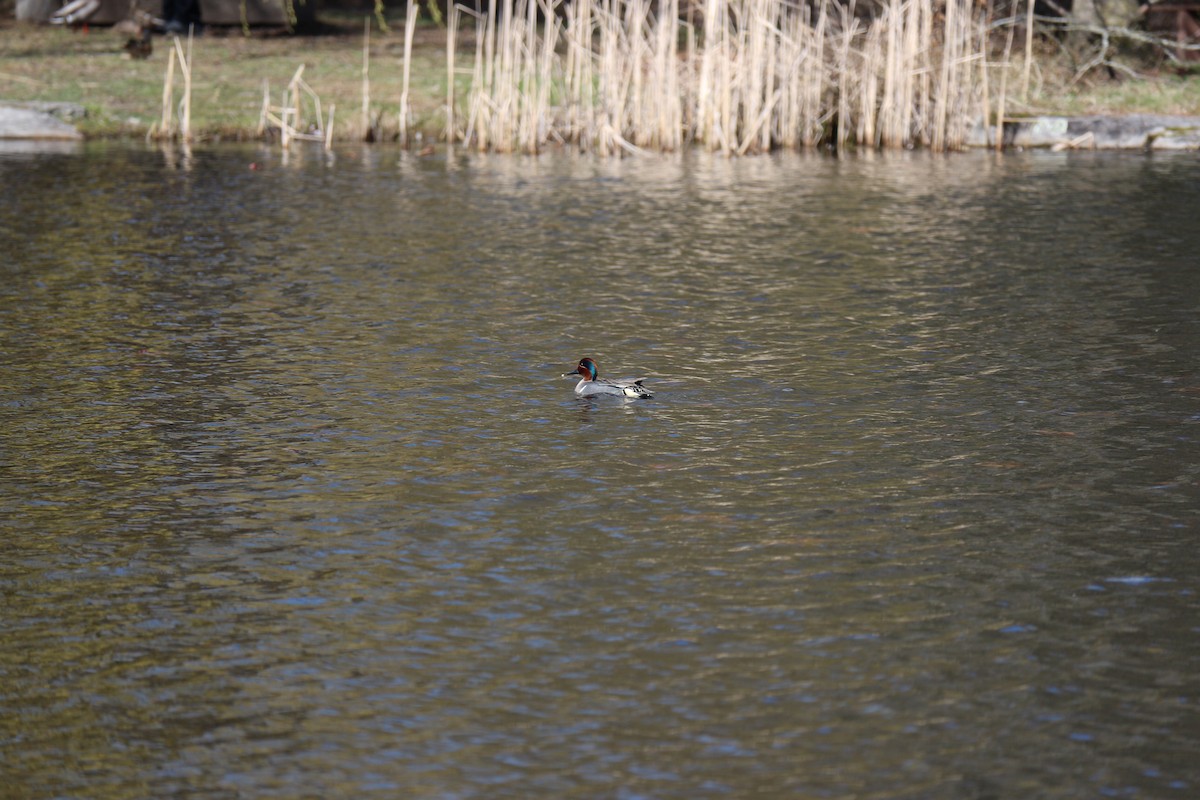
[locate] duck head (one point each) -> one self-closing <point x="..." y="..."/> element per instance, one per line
<point x="586" y="368"/>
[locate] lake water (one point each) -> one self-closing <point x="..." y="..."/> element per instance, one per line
<point x="295" y="503"/>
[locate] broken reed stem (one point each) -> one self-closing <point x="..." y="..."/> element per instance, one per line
<point x="316" y="101"/>
<point x="265" y="111"/>
<point x="294" y="99"/>
<point x="285" y="128"/>
<point x="166" y="128"/>
<point x="410" y="28"/>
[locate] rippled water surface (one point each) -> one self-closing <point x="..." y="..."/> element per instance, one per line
<point x="295" y="504"/>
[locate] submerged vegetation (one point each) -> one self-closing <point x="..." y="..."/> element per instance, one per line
<point x="609" y="76"/>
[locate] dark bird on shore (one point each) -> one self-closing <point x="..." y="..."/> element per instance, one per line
<point x="139" y="45"/>
<point x="138" y="28"/>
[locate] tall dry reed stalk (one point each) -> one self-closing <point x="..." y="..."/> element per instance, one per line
<point x="176" y="123"/>
<point x="1028" y="50"/>
<point x="166" y="126"/>
<point x="410" y="28"/>
<point x="451" y="42"/>
<point x="610" y="75"/>
<point x="367" y="133"/>
<point x="1003" y="90"/>
<point x="185" y="63"/>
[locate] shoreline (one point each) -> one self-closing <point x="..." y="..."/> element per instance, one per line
<point x="72" y="85"/>
<point x="49" y="121"/>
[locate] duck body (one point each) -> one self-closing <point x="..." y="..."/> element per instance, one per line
<point x="592" y="385"/>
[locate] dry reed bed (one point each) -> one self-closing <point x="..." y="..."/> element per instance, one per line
<point x="746" y="76"/>
<point x="736" y="76"/>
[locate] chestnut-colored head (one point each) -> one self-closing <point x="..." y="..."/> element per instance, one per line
<point x="587" y="368"/>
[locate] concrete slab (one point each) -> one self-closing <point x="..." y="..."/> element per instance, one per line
<point x="1125" y="132"/>
<point x="28" y="123"/>
<point x="59" y="108"/>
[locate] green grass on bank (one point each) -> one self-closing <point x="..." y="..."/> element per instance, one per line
<point x="1161" y="94"/>
<point x="124" y="97"/>
<point x="1056" y="88"/>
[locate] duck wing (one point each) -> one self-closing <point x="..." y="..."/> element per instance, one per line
<point x="632" y="387"/>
